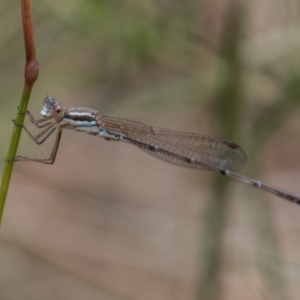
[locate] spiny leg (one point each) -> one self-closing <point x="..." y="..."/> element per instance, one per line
<point x="45" y="133"/>
<point x="40" y="123"/>
<point x="51" y="158"/>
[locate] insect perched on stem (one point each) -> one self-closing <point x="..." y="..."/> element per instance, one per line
<point x="184" y="149"/>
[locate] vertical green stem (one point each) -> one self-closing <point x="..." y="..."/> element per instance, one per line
<point x="12" y="151"/>
<point x="31" y="75"/>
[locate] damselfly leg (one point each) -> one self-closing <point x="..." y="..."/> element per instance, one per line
<point x="42" y="129"/>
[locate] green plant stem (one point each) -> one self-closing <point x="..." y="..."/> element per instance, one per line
<point x="31" y="75"/>
<point x="12" y="151"/>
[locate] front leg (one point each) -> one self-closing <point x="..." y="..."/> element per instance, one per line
<point x="40" y="123"/>
<point x="42" y="135"/>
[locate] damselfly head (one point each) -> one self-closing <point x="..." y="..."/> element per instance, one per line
<point x="51" y="108"/>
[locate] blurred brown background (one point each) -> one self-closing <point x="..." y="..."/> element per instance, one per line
<point x="108" y="221"/>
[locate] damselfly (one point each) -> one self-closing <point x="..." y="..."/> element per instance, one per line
<point x="180" y="148"/>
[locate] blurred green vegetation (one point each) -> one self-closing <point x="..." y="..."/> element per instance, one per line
<point x="165" y="60"/>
